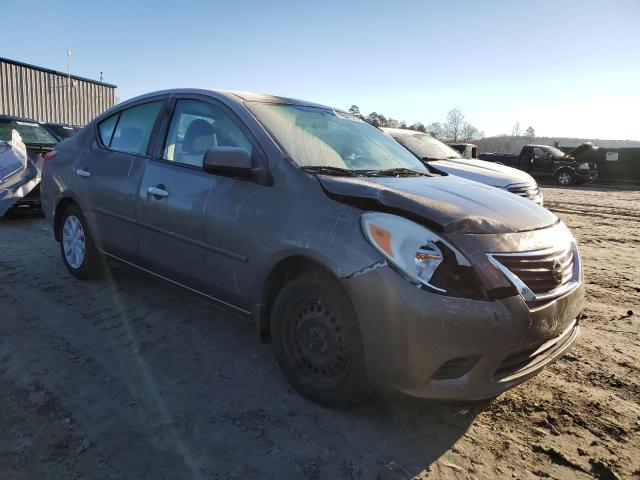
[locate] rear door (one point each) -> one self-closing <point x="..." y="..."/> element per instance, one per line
<point x="111" y="169"/>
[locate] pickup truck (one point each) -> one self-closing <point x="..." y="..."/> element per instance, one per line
<point x="545" y="161"/>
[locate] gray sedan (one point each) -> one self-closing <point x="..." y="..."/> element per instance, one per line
<point x="363" y="268"/>
<point x="440" y="156"/>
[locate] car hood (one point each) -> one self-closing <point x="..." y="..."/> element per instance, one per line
<point x="450" y="204"/>
<point x="582" y="148"/>
<point x="481" y="171"/>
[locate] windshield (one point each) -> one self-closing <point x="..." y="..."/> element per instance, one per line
<point x="556" y="152"/>
<point x="31" y="133"/>
<point x="317" y="137"/>
<point x="426" y="147"/>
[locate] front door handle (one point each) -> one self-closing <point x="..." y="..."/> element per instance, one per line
<point x="158" y="191"/>
<point x="82" y="173"/>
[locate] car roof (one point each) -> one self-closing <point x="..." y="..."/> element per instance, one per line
<point x="402" y="131"/>
<point x="233" y="95"/>
<point x="13" y="118"/>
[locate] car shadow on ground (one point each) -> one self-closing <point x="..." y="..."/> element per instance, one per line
<point x="152" y="381"/>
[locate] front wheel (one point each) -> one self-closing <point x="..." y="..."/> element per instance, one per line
<point x="79" y="253"/>
<point x="317" y="341"/>
<point x="564" y="178"/>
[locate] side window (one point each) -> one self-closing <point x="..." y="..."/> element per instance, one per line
<point x="527" y="152"/>
<point x="539" y="153"/>
<point x="197" y="126"/>
<point x="106" y="129"/>
<point x="134" y="128"/>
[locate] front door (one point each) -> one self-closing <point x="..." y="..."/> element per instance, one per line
<point x="171" y="204"/>
<point x="173" y="196"/>
<point x="542" y="163"/>
<point x="190" y="229"/>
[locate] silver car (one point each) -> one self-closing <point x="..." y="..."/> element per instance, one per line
<point x="442" y="157"/>
<point x="363" y="268"/>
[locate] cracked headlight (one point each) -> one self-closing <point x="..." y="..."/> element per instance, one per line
<point x="421" y="255"/>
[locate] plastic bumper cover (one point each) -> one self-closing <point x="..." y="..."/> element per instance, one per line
<point x="412" y="338"/>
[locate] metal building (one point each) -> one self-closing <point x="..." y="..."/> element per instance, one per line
<point x="49" y="96"/>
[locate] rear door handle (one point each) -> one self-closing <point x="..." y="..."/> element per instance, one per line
<point x="82" y="173"/>
<point x="158" y="192"/>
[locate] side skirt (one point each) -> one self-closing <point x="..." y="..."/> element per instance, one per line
<point x="217" y="300"/>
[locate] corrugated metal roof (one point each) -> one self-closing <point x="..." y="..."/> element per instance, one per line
<point x="55" y="72"/>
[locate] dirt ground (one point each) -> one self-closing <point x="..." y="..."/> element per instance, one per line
<point x="133" y="378"/>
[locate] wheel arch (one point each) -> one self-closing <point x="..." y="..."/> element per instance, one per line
<point x="281" y="272"/>
<point x="563" y="167"/>
<point x="62" y="205"/>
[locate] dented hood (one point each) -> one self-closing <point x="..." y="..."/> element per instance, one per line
<point x="452" y="204"/>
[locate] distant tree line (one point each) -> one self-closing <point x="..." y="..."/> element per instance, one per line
<point x="454" y="129"/>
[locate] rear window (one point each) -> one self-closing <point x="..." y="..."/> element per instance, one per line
<point x="132" y="128"/>
<point x="32" y="133"/>
<point x="106" y="129"/>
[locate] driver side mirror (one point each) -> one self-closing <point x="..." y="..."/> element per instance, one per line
<point x="232" y="161"/>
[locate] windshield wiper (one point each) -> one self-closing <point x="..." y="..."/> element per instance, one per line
<point x="337" y="171"/>
<point x="393" y="172"/>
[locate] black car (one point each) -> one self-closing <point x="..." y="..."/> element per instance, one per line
<point x="545" y="161"/>
<point x="61" y="130"/>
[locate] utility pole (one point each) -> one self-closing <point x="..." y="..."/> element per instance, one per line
<point x="68" y="86"/>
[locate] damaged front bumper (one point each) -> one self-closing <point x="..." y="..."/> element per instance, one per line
<point x="434" y="346"/>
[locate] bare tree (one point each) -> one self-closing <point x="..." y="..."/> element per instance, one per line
<point x="515" y="134"/>
<point x="455" y="123"/>
<point x="516" y="130"/>
<point x="435" y="129"/>
<point x="354" y="110"/>
<point x="469" y="132"/>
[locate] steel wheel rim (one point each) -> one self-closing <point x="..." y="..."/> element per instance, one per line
<point x="564" y="178"/>
<point x="73" y="241"/>
<point x="317" y="344"/>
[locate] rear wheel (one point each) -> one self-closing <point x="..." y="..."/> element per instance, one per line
<point x="564" y="178"/>
<point x="317" y="341"/>
<point x="79" y="253"/>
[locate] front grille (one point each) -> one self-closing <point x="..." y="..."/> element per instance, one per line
<point x="541" y="274"/>
<point x="526" y="190"/>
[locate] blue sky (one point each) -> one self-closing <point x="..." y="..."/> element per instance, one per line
<point x="566" y="67"/>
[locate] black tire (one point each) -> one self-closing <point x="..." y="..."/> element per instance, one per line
<point x="564" y="178"/>
<point x="317" y="341"/>
<point x="92" y="264"/>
